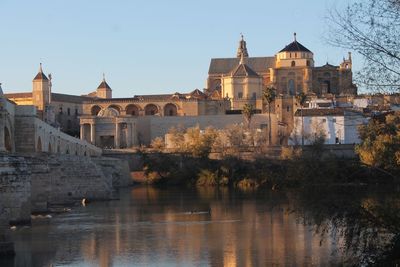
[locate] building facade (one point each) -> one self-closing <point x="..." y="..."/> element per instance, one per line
<point x="334" y="125"/>
<point x="290" y="72"/>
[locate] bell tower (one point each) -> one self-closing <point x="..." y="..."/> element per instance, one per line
<point x="104" y="90"/>
<point x="41" y="90"/>
<point x="242" y="49"/>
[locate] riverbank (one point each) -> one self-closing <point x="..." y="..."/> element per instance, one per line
<point x="164" y="169"/>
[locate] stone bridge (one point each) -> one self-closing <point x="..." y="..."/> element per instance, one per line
<point x="22" y="132"/>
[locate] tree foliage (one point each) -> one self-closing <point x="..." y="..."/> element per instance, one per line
<point x="269" y="95"/>
<point x="248" y="112"/>
<point x="380" y="145"/>
<point x="371" y="28"/>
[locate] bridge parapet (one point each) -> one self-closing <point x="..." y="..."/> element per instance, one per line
<point x="35" y="135"/>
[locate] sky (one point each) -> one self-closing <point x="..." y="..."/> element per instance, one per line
<point x="149" y="46"/>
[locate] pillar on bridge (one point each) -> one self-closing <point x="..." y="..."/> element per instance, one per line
<point x="117" y="135"/>
<point x="93" y="133"/>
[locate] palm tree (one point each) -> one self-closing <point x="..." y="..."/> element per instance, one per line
<point x="301" y="99"/>
<point x="247" y="113"/>
<point x="269" y="95"/>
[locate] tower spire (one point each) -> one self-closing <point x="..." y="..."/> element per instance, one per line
<point x="294" y="34"/>
<point x="242" y="49"/>
<point x="40" y="68"/>
<point x="104" y="77"/>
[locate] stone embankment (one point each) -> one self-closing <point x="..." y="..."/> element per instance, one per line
<point x="36" y="182"/>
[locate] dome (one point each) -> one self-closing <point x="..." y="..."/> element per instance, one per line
<point x="108" y="112"/>
<point x="295" y="47"/>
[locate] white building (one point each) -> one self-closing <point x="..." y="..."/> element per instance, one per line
<point x="338" y="126"/>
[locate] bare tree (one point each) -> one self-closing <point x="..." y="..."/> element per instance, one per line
<point x="371" y="28"/>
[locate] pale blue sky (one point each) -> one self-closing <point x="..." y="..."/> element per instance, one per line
<point x="147" y="47"/>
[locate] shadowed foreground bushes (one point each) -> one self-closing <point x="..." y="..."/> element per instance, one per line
<point x="184" y="169"/>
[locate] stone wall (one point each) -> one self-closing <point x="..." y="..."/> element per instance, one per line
<point x="134" y="159"/>
<point x="66" y="179"/>
<point x="34" y="182"/>
<point x="115" y="169"/>
<point x="15" y="202"/>
<point x="15" y="187"/>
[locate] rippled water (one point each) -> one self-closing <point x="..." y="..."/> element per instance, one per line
<point x="171" y="227"/>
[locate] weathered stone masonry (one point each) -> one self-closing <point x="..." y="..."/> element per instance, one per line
<point x="35" y="182"/>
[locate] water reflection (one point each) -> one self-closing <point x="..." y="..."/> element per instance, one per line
<point x="153" y="227"/>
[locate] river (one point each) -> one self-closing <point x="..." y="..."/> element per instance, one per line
<point x="180" y="227"/>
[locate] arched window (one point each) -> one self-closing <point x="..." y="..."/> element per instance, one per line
<point x="291" y="87"/>
<point x="117" y="108"/>
<point x="132" y="110"/>
<point x="240" y="95"/>
<point x="283" y="85"/>
<point x="170" y="110"/>
<point x="293" y="63"/>
<point x="151" y="109"/>
<point x="327" y="86"/>
<point x="95" y="110"/>
<point x="308" y="63"/>
<point x="68" y="111"/>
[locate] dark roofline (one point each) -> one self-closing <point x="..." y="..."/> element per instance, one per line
<point x="295" y="47"/>
<point x="40" y="76"/>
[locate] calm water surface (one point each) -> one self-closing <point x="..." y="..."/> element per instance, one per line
<point x="171" y="227"/>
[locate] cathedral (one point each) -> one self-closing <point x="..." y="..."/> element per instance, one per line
<point x="290" y="71"/>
